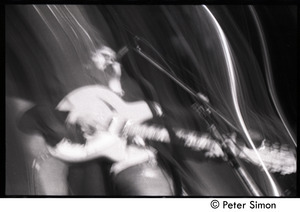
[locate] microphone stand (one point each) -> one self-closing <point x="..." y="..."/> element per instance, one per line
<point x="238" y="167"/>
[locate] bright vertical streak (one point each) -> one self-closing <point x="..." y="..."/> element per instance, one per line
<point x="45" y="20"/>
<point x="85" y="32"/>
<point x="62" y="16"/>
<point x="269" y="76"/>
<point x="230" y="68"/>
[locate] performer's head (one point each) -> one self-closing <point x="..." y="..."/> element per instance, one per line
<point x="103" y="57"/>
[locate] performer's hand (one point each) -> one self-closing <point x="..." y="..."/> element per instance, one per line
<point x="107" y="144"/>
<point x="102" y="144"/>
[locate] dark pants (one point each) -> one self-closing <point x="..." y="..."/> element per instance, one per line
<point x="146" y="179"/>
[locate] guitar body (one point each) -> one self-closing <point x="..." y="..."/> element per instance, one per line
<point x="97" y="105"/>
<point x="98" y="98"/>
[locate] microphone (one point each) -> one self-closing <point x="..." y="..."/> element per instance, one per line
<point x="124" y="50"/>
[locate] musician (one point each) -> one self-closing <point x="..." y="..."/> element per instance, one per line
<point x="85" y="126"/>
<point x="136" y="168"/>
<point x="77" y="132"/>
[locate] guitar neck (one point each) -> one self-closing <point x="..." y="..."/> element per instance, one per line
<point x="196" y="141"/>
<point x="191" y="139"/>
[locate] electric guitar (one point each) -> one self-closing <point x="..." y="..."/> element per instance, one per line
<point x="106" y="105"/>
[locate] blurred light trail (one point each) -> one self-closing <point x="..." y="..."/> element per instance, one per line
<point x="87" y="34"/>
<point x="46" y="22"/>
<point x="269" y="77"/>
<point x="230" y="68"/>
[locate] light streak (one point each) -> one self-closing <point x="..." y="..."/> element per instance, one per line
<point x="46" y="22"/>
<point x="269" y="75"/>
<point x="230" y="68"/>
<point x="87" y="34"/>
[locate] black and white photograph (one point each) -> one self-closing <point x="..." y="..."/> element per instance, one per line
<point x="150" y="100"/>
